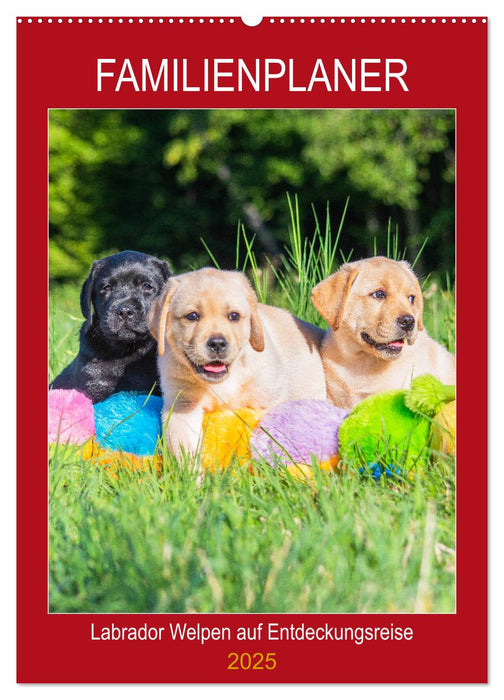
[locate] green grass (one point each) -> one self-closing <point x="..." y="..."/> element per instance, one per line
<point x="243" y="542"/>
<point x="250" y="542"/>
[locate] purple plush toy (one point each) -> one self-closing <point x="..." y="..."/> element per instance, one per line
<point x="70" y="416"/>
<point x="296" y="430"/>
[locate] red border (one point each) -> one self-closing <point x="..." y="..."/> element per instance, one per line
<point x="447" y="68"/>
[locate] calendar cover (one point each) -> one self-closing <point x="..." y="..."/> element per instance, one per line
<point x="252" y="358"/>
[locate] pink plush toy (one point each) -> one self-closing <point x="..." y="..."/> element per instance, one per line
<point x="70" y="417"/>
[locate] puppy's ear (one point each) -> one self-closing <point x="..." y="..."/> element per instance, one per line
<point x="330" y="296"/>
<point x="158" y="315"/>
<point x="165" y="269"/>
<point x="256" y="330"/>
<point x="86" y="295"/>
<point x="418" y="294"/>
<point x="420" y="307"/>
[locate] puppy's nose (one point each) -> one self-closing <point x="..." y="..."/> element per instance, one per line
<point x="125" y="311"/>
<point x="217" y="344"/>
<point x="406" y="322"/>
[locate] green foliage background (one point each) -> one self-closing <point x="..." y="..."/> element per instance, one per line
<point x="159" y="180"/>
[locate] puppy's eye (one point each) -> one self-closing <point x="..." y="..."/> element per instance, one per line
<point x="106" y="288"/>
<point x="147" y="287"/>
<point x="411" y="298"/>
<point x="193" y="316"/>
<point x="234" y="316"/>
<point x="379" y="294"/>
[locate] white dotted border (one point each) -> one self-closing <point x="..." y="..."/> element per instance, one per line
<point x="232" y="20"/>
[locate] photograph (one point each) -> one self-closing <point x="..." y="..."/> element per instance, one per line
<point x="251" y="361"/>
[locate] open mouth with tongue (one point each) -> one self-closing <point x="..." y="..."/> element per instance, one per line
<point x="393" y="348"/>
<point x="214" y="371"/>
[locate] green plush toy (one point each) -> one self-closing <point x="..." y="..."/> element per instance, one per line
<point x="394" y="428"/>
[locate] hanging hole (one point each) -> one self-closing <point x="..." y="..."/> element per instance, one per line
<point x="251" y="21"/>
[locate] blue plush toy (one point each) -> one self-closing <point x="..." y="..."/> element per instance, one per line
<point x="129" y="422"/>
<point x="377" y="470"/>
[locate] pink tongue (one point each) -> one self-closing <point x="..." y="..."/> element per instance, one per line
<point x="396" y="343"/>
<point x="214" y="368"/>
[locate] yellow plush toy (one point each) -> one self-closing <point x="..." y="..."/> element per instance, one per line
<point x="115" y="460"/>
<point x="304" y="472"/>
<point x="443" y="429"/>
<point x="226" y="434"/>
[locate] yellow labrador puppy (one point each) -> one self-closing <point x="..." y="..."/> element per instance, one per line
<point x="219" y="348"/>
<point x="376" y="339"/>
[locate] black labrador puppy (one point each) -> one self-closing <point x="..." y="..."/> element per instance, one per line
<point x="117" y="352"/>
